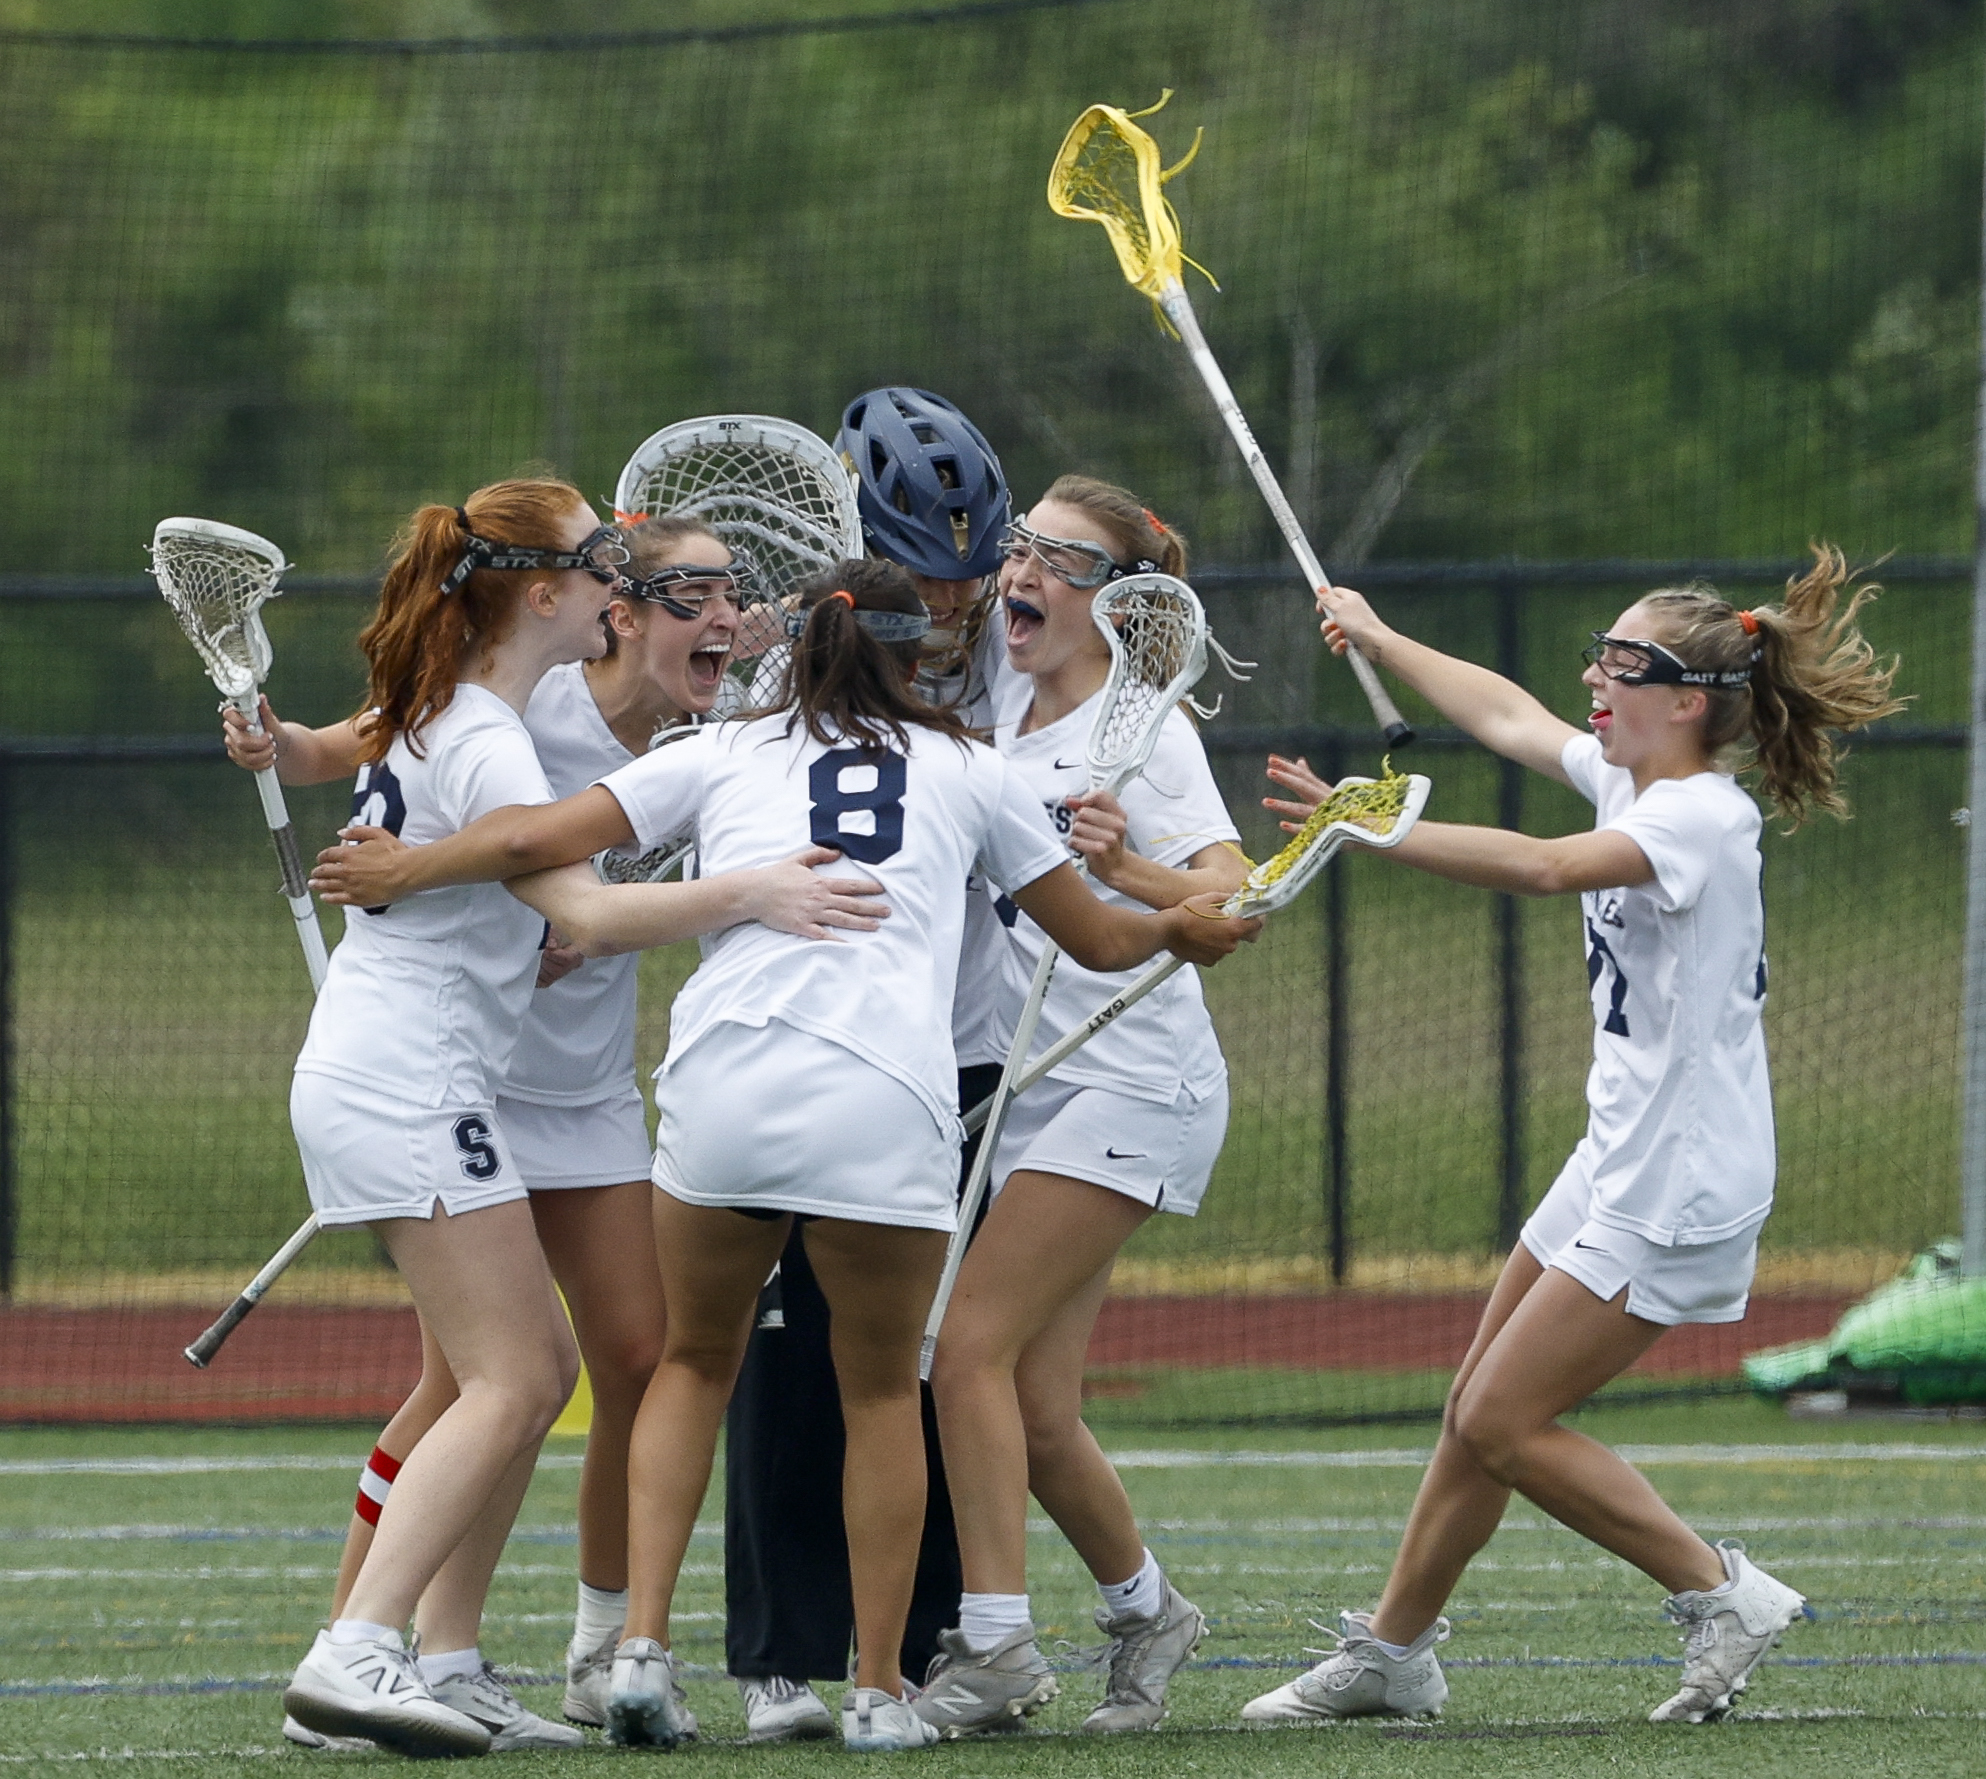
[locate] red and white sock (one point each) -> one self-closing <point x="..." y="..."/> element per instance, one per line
<point x="375" y="1484"/>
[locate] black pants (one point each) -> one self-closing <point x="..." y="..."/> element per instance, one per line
<point x="788" y="1608"/>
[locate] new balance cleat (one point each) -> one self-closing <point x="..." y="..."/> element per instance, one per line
<point x="1359" y="1679"/>
<point x="1726" y="1635"/>
<point x="966" y="1693"/>
<point x="645" y="1705"/>
<point x="485" y="1699"/>
<point x="588" y="1676"/>
<point x="874" y="1723"/>
<point x="1145" y="1653"/>
<point x="782" y="1710"/>
<point x="303" y="1738"/>
<point x="373" y="1689"/>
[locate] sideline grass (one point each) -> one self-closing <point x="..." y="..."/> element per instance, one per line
<point x="186" y="1598"/>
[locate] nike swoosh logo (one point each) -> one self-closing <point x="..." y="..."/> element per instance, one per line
<point x="1128" y="1155"/>
<point x="1588" y="1246"/>
<point x="1067" y="765"/>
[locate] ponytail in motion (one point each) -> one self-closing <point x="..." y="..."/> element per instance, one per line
<point x="1812" y="671"/>
<point x="423" y="632"/>
<point x="843" y="682"/>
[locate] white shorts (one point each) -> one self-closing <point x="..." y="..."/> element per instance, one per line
<point x="771" y="1118"/>
<point x="367" y="1157"/>
<point x="1161" y="1155"/>
<point x="1710" y="1282"/>
<point x="559" y="1148"/>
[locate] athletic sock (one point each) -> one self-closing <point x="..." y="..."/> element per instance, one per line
<point x="347" y="1631"/>
<point x="467" y="1663"/>
<point x="1397" y="1651"/>
<point x="1143" y="1594"/>
<point x="988" y="1620"/>
<point x="603" y="1613"/>
<point x="375" y="1484"/>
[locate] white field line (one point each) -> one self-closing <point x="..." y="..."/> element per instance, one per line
<point x="288" y="1572"/>
<point x="191" y="1534"/>
<point x="1408" y="1459"/>
<point x="198" y="1466"/>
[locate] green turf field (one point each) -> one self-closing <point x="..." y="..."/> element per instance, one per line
<point x="149" y="1613"/>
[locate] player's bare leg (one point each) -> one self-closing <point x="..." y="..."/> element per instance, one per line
<point x="878" y="1281"/>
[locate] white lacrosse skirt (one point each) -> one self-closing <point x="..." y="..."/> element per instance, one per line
<point x="367" y="1157"/>
<point x="1161" y="1155"/>
<point x="561" y="1148"/>
<point x="1702" y="1282"/>
<point x="772" y="1118"/>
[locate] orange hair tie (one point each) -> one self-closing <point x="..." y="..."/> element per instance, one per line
<point x="621" y="518"/>
<point x="1750" y="623"/>
<point x="842" y="593"/>
<point x="1158" y="524"/>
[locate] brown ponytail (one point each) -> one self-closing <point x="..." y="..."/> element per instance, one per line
<point x="420" y="636"/>
<point x="843" y="684"/>
<point x="1137" y="534"/>
<point x="1812" y="671"/>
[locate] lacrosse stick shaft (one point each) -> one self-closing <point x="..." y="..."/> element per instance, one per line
<point x="982" y="1163"/>
<point x="210" y="1343"/>
<point x="289" y="860"/>
<point x="1179" y="311"/>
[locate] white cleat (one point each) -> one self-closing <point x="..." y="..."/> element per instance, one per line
<point x="374" y="1690"/>
<point x="645" y="1705"/>
<point x="303" y="1738"/>
<point x="485" y="1699"/>
<point x="1144" y="1655"/>
<point x="968" y="1693"/>
<point x="1726" y="1635"/>
<point x="588" y="1675"/>
<point x="1359" y="1679"/>
<point x="782" y="1710"/>
<point x="874" y="1723"/>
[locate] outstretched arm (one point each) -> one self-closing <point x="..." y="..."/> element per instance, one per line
<point x="299" y="755"/>
<point x="1497" y="712"/>
<point x="1108" y="939"/>
<point x="1100" y="832"/>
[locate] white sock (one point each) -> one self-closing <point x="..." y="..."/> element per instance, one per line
<point x="347" y="1631"/>
<point x="452" y="1662"/>
<point x="603" y="1613"/>
<point x="987" y="1620"/>
<point x="1396" y="1650"/>
<point x="1143" y="1594"/>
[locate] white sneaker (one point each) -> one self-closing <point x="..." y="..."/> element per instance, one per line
<point x="487" y="1701"/>
<point x="303" y="1738"/>
<point x="782" y="1710"/>
<point x="1359" y="1679"/>
<point x="645" y="1705"/>
<point x="588" y="1675"/>
<point x="967" y="1693"/>
<point x="374" y="1690"/>
<point x="874" y="1723"/>
<point x="1727" y="1634"/>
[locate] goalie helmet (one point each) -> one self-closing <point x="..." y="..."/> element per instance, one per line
<point x="931" y="492"/>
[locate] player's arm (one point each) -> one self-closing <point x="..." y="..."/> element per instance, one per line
<point x="299" y="755"/>
<point x="1497" y="712"/>
<point x="1108" y="940"/>
<point x="1100" y="831"/>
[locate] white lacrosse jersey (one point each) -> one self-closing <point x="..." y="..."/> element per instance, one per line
<point x="1679" y="1141"/>
<point x="1166" y="1043"/>
<point x="918" y="821"/>
<point x="577" y="1045"/>
<point x="424" y="999"/>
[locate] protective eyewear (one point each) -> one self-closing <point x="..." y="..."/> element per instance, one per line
<point x="1074" y="562"/>
<point x="1635" y="661"/>
<point x="684" y="589"/>
<point x="601" y="554"/>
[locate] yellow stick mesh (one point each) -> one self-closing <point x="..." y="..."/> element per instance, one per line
<point x="1107" y="170"/>
<point x="1374" y="806"/>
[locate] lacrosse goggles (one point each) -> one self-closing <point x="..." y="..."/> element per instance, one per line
<point x="684" y="589"/>
<point x="1072" y="561"/>
<point x="601" y="554"/>
<point x="1635" y="661"/>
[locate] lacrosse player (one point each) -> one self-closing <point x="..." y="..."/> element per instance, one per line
<point x="1654" y="1220"/>
<point x="1130" y="1125"/>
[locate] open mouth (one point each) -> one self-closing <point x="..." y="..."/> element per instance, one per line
<point x="1024" y="622"/>
<point x="706" y="666"/>
<point x="1600" y="719"/>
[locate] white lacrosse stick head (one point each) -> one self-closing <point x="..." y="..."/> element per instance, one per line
<point x="771" y="489"/>
<point x="1277" y="882"/>
<point x="216" y="578"/>
<point x="1157" y="634"/>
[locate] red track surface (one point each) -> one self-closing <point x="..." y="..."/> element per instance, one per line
<point x="295" y="1364"/>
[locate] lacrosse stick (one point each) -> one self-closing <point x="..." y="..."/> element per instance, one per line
<point x="216" y="578"/>
<point x="1378" y="813"/>
<point x="773" y="491"/>
<point x="658" y="862"/>
<point x="1108" y="171"/>
<point x="1157" y="634"/>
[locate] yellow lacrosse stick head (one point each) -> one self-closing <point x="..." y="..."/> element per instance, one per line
<point x="1107" y="170"/>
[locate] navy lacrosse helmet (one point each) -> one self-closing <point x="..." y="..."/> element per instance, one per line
<point x="931" y="493"/>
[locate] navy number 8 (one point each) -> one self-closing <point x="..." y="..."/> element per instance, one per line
<point x="884" y="799"/>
